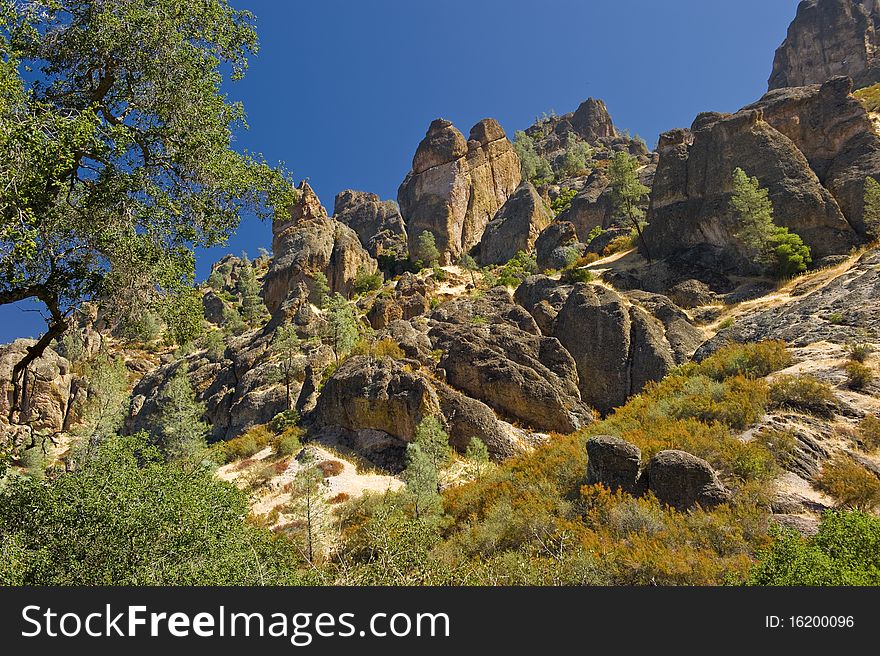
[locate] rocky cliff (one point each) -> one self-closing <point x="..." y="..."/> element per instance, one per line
<point x="829" y="38"/>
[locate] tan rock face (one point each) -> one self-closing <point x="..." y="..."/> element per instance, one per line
<point x="828" y="38"/>
<point x="310" y="242"/>
<point x="515" y="227"/>
<point x="456" y="186"/>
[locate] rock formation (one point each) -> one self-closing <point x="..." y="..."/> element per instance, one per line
<point x="828" y="38"/>
<point x="492" y="350"/>
<point x="690" y="199"/>
<point x="614" y="463"/>
<point x="308" y="242"/>
<point x="515" y="227"/>
<point x="557" y="245"/>
<point x="377" y="223"/>
<point x="455" y="186"/>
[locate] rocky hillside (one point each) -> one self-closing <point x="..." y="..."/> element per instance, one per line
<point x="505" y="297"/>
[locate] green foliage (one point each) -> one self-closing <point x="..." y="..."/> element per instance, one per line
<point x="253" y="310"/>
<point x="573" y="274"/>
<point x="846" y="551"/>
<point x="183" y="314"/>
<point x="343" y="329"/>
<point x="872" y="208"/>
<point x="477" y="457"/>
<point x="850" y="484"/>
<point x="243" y="446"/>
<point x="804" y="393"/>
<point x="468" y="263"/>
<point x="284" y="420"/>
<point x="433" y="440"/>
<point x="771" y="247"/>
<point x="286" y="351"/>
<point x="533" y="166"/>
<point x="118" y="134"/>
<point x="781" y="444"/>
<point x="517" y="269"/>
<point x="320" y="287"/>
<point x="563" y="200"/>
<point x="858" y="375"/>
<point x="129" y="518"/>
<point x="307" y="507"/>
<point x="870" y="97"/>
<point x="627" y="191"/>
<point x="595" y="232"/>
<point x="750" y="360"/>
<point x="836" y="319"/>
<point x="426" y="249"/>
<point x="422" y="492"/>
<point x="179" y="428"/>
<point x="288" y="443"/>
<point x="366" y="282"/>
<point x="578" y="159"/>
<point x="105" y="407"/>
<point x="214" y="345"/>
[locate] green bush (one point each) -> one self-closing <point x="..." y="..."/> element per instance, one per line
<point x="284" y="420"/>
<point x="365" y="282"/>
<point x="850" y="484"/>
<point x="791" y="255"/>
<point x="750" y="360"/>
<point x="858" y="375"/>
<point x="517" y="269"/>
<point x="576" y="275"/>
<point x="781" y="444"/>
<point x="869" y="433"/>
<point x="288" y="443"/>
<point x="563" y="201"/>
<point x="803" y="393"/>
<point x="859" y="352"/>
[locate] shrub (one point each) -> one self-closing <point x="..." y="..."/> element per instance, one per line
<point x="562" y="201"/>
<point x="517" y="269"/>
<point x="284" y="420"/>
<point x="803" y="393"/>
<point x="726" y="323"/>
<point x="575" y="275"/>
<point x="791" y="255"/>
<point x="288" y="443"/>
<point x="245" y="445"/>
<point x="849" y="484"/>
<point x="330" y="468"/>
<point x="858" y="375"/>
<point x="869" y="433"/>
<point x="439" y="274"/>
<point x="595" y="232"/>
<point x="751" y="360"/>
<point x="342" y="497"/>
<point x="387" y="347"/>
<point x="365" y="281"/>
<point x="836" y="319"/>
<point x="859" y="352"/>
<point x="781" y="444"/>
<point x="618" y="244"/>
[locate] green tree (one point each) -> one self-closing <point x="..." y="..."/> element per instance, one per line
<point x="321" y="287"/>
<point x="179" y="428"/>
<point x="627" y="192"/>
<point x="422" y="490"/>
<point x="105" y="406"/>
<point x="532" y="165"/>
<point x="477" y="456"/>
<point x="129" y="518"/>
<point x="426" y="249"/>
<point x="434" y="442"/>
<point x="307" y="505"/>
<point x="772" y="247"/>
<point x="343" y="327"/>
<point x="286" y="349"/>
<point x="467" y="263"/>
<point x="253" y="310"/>
<point x="872" y="208"/>
<point x="115" y="149"/>
<point x="578" y="159"/>
<point x="365" y="281"/>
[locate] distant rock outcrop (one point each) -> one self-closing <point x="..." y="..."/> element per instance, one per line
<point x="307" y="243"/>
<point x="377" y="223"/>
<point x="690" y="199"/>
<point x="455" y="186"/>
<point x="557" y="246"/>
<point x="828" y="38"/>
<point x="515" y="227"/>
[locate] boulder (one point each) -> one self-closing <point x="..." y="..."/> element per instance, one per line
<point x="691" y="294"/>
<point x="592" y="121"/>
<point x="492" y="350"/>
<point x="828" y="38"/>
<point x="682" y="481"/>
<point x="614" y="463"/>
<point x="455" y="186"/>
<point x="515" y="227"/>
<point x="377" y="223"/>
<point x="690" y="198"/>
<point x="557" y="245"/>
<point x="307" y="243"/>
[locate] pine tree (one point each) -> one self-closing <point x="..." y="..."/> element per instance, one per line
<point x="468" y="264"/>
<point x="253" y="310"/>
<point x="427" y="249"/>
<point x="434" y="441"/>
<point x="342" y="325"/>
<point x="180" y="430"/>
<point x="872" y="209"/>
<point x="321" y="287"/>
<point x="306" y="504"/>
<point x="105" y="407"/>
<point x="422" y="482"/>
<point x="286" y="348"/>
<point x="477" y="456"/>
<point x="627" y="192"/>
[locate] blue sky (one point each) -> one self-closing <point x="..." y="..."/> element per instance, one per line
<point x="343" y="91"/>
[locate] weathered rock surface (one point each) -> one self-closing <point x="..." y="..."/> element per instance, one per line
<point x="805" y="320"/>
<point x="377" y="223"/>
<point x="455" y="186"/>
<point x="834" y="132"/>
<point x="310" y="242"/>
<point x="614" y="463"/>
<point x="392" y="397"/>
<point x="494" y="351"/>
<point x="828" y="38"/>
<point x="690" y="199"/>
<point x="515" y="227"/>
<point x="556" y="244"/>
<point x="682" y="480"/>
<point x="410" y="298"/>
<point x="47" y="389"/>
